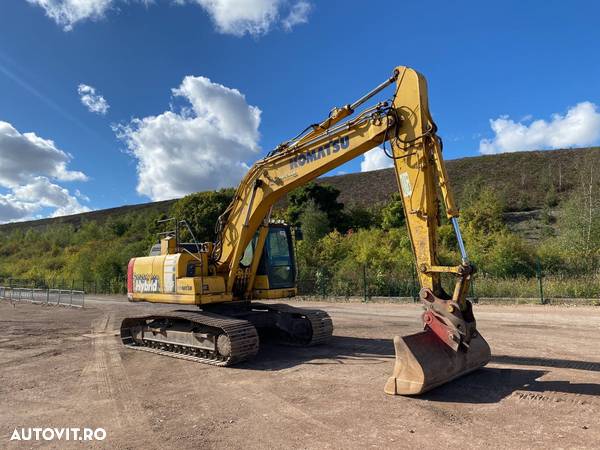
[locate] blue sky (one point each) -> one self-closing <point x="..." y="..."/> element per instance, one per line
<point x="513" y="62"/>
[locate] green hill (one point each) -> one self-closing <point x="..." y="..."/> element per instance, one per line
<point x="100" y="216"/>
<point x="525" y="180"/>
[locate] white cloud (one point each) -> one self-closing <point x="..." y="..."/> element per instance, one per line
<point x="24" y="155"/>
<point x="25" y="200"/>
<point x="203" y="146"/>
<point x="239" y="17"/>
<point x="43" y="193"/>
<point x="67" y="13"/>
<point x="254" y="17"/>
<point x="94" y="102"/>
<point x="298" y="14"/>
<point x="13" y="210"/>
<point x="579" y="127"/>
<point x="81" y="196"/>
<point x="28" y="163"/>
<point x="236" y="17"/>
<point x="374" y="160"/>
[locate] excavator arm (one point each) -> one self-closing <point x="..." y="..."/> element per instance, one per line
<point x="450" y="345"/>
<point x="291" y="165"/>
<point x="404" y="123"/>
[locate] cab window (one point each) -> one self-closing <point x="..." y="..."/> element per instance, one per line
<point x="281" y="269"/>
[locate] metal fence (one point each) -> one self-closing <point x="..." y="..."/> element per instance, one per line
<point x="360" y="287"/>
<point x="365" y="283"/>
<point x="359" y="282"/>
<point x="59" y="297"/>
<point x="116" y="285"/>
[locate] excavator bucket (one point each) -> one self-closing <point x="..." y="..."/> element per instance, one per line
<point x="424" y="361"/>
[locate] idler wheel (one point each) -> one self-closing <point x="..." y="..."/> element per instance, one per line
<point x="224" y="345"/>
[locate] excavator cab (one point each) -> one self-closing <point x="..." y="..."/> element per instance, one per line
<point x="278" y="263"/>
<point x="276" y="271"/>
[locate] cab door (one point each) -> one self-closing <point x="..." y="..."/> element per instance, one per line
<point x="277" y="261"/>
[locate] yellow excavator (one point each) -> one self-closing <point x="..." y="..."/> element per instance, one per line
<point x="253" y="257"/>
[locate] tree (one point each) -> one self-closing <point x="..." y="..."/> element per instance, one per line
<point x="201" y="210"/>
<point x="392" y="214"/>
<point x="118" y="226"/>
<point x="360" y="217"/>
<point x="508" y="256"/>
<point x="471" y="191"/>
<point x="483" y="214"/>
<point x="110" y="265"/>
<point x="324" y="197"/>
<point x="579" y="227"/>
<point x="491" y="245"/>
<point x="314" y="223"/>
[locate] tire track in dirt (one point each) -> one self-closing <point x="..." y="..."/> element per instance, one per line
<point x="104" y="380"/>
<point x="553" y="399"/>
<point x="264" y="402"/>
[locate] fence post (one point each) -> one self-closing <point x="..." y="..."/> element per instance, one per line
<point x="365" y="282"/>
<point x="472" y="287"/>
<point x="413" y="287"/>
<point x="540" y="275"/>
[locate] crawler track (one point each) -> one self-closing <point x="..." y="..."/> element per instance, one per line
<point x="242" y="336"/>
<point x="320" y="322"/>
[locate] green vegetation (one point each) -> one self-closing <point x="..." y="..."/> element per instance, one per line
<point x="363" y="244"/>
<point x="526" y="181"/>
<point x="373" y="257"/>
<point x="201" y="212"/>
<point x="64" y="255"/>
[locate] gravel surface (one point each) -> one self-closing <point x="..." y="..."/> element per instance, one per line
<point x="62" y="367"/>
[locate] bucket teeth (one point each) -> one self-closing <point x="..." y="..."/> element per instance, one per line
<point x="424" y="362"/>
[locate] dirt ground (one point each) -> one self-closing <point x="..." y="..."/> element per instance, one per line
<point x="62" y="367"/>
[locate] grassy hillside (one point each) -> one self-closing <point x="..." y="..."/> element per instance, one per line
<point x="524" y="179"/>
<point x="100" y="216"/>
